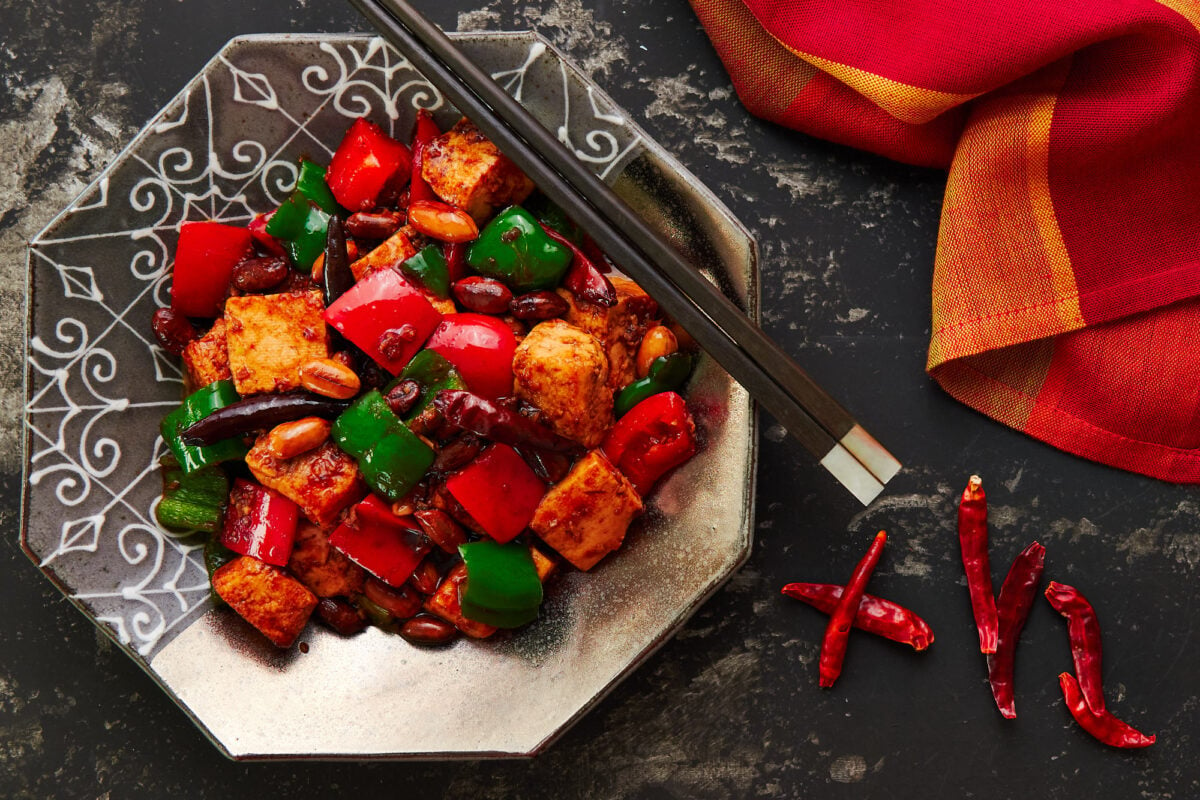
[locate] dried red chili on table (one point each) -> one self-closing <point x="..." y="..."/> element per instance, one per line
<point x="875" y="614"/>
<point x="1016" y="600"/>
<point x="1083" y="692"/>
<point x="1100" y="724"/>
<point x="973" y="538"/>
<point x="837" y="632"/>
<point x="1083" y="630"/>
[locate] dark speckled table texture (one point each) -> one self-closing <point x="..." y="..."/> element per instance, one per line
<point x="730" y="707"/>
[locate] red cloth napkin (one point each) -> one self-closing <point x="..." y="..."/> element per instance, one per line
<point x="1067" y="277"/>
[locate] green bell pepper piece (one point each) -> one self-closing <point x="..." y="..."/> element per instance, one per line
<point x="514" y="249"/>
<point x="311" y="183"/>
<point x="192" y="501"/>
<point x="396" y="463"/>
<point x="502" y="587"/>
<point x="428" y="269"/>
<point x="363" y="424"/>
<point x="666" y="374"/>
<point x="392" y="458"/>
<point x="196" y="406"/>
<point x="302" y="227"/>
<point x="430" y="369"/>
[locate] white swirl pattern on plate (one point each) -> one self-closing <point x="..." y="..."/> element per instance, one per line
<point x="97" y="384"/>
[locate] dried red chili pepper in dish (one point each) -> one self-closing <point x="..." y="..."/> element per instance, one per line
<point x="1100" y="724"/>
<point x="1016" y="600"/>
<point x="875" y="615"/>
<point x="837" y="632"/>
<point x="973" y="538"/>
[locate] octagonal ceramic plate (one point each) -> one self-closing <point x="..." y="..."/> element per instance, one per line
<point x="97" y="386"/>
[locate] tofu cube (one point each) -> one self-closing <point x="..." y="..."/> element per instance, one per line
<point x="465" y="169"/>
<point x="268" y="598"/>
<point x="619" y="328"/>
<point x="564" y="371"/>
<point x="207" y="359"/>
<point x="271" y="336"/>
<point x="444" y="603"/>
<point x="585" y="516"/>
<point x="322" y="481"/>
<point x="325" y="570"/>
<point x="391" y="252"/>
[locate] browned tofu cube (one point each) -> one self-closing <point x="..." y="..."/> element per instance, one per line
<point x="564" y="372"/>
<point x="619" y="328"/>
<point x="322" y="481"/>
<point x="465" y="169"/>
<point x="271" y="336"/>
<point x="266" y="597"/>
<point x="444" y="603"/>
<point x="585" y="516"/>
<point x="323" y="569"/>
<point x="391" y="252"/>
<point x="207" y="359"/>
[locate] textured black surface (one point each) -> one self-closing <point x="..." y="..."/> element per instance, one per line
<point x="730" y="708"/>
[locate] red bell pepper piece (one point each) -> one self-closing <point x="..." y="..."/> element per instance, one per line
<point x="260" y="522"/>
<point x="387" y="317"/>
<point x="499" y="491"/>
<point x="258" y="231"/>
<point x="657" y="435"/>
<point x="387" y="546"/>
<point x="204" y="260"/>
<point x="366" y="161"/>
<point x="481" y="349"/>
<point x="424" y="132"/>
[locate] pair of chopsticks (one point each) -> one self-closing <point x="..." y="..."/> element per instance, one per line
<point x="770" y="376"/>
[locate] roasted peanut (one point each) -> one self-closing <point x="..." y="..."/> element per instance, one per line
<point x="441" y="221"/>
<point x="658" y="342"/>
<point x="325" y="376"/>
<point x="290" y="439"/>
<point x="318" y="268"/>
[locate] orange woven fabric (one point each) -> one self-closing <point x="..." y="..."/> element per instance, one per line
<point x="1066" y="287"/>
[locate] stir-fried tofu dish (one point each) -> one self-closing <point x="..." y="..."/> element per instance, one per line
<point x="414" y="392"/>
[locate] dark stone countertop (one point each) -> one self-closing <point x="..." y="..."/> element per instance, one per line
<point x="730" y="707"/>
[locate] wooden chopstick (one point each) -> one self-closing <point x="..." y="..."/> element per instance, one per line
<point x="770" y="376"/>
